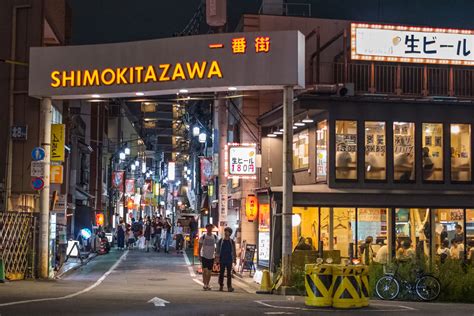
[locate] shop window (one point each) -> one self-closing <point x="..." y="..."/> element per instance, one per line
<point x="404" y="151"/>
<point x="432" y="151"/>
<point x="470" y="235"/>
<point x="449" y="233"/>
<point x="305" y="228"/>
<point x="375" y="145"/>
<point x="343" y="230"/>
<point x="324" y="227"/>
<point x="321" y="151"/>
<point x="412" y="232"/>
<point x="346" y="150"/>
<point x="460" y="152"/>
<point x="301" y="150"/>
<point x="372" y="234"/>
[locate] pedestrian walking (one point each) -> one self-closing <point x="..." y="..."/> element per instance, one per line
<point x="158" y="231"/>
<point x="193" y="229"/>
<point x="147" y="234"/>
<point x="166" y="235"/>
<point x="207" y="249"/>
<point x="179" y="238"/>
<point x="121" y="235"/>
<point x="226" y="256"/>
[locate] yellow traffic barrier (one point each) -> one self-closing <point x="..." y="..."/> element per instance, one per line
<point x="346" y="287"/>
<point x="318" y="284"/>
<point x="363" y="274"/>
<point x="266" y="284"/>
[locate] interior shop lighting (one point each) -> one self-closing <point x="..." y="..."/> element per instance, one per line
<point x="232" y="88"/>
<point x="300" y="124"/>
<point x="295" y="220"/>
<point x="455" y="129"/>
<point x="183" y="91"/>
<point x="139" y="94"/>
<point x="95" y="96"/>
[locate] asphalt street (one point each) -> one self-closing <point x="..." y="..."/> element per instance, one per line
<point x="139" y="283"/>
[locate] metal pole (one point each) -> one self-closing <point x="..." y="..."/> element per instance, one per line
<point x="45" y="138"/>
<point x="287" y="184"/>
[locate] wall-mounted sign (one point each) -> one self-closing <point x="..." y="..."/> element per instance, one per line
<point x="58" y="134"/>
<point x="117" y="180"/>
<point x="206" y="170"/>
<point x="412" y="44"/>
<point x="37" y="183"/>
<point x="240" y="161"/>
<point x="37" y="168"/>
<point x="164" y="66"/>
<point x="130" y="186"/>
<point x="56" y="174"/>
<point x="37" y="154"/>
<point x="61" y="203"/>
<point x="19" y="132"/>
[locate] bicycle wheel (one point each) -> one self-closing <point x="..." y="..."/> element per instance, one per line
<point x="387" y="288"/>
<point x="428" y="288"/>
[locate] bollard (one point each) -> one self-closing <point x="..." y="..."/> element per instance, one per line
<point x="2" y="271"/>
<point x="266" y="284"/>
<point x="346" y="287"/>
<point x="318" y="284"/>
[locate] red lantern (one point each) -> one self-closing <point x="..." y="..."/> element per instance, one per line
<point x="130" y="204"/>
<point x="251" y="208"/>
<point x="99" y="219"/>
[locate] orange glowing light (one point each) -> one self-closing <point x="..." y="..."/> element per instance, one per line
<point x="251" y="208"/>
<point x="262" y="44"/>
<point x="213" y="46"/>
<point x="239" y="45"/>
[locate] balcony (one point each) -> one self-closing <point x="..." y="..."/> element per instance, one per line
<point x="402" y="79"/>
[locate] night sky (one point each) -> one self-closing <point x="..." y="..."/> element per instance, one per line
<point x="105" y="21"/>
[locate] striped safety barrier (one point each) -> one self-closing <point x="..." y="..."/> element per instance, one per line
<point x="347" y="287"/>
<point x="318" y="283"/>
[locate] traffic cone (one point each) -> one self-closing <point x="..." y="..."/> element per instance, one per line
<point x="266" y="284"/>
<point x="2" y="271"/>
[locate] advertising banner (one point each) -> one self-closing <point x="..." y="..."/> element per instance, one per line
<point x="58" y="134"/>
<point x="117" y="180"/>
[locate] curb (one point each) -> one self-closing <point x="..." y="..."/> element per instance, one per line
<point x="76" y="267"/>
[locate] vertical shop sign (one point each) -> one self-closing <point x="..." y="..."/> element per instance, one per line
<point x="130" y="186"/>
<point x="117" y="180"/>
<point x="223" y="204"/>
<point x="206" y="170"/>
<point x="57" y="142"/>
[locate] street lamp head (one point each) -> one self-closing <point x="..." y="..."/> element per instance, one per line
<point x="133" y="167"/>
<point x="202" y="137"/>
<point x="137" y="163"/>
<point x="127" y="151"/>
<point x="196" y="131"/>
<point x="122" y="156"/>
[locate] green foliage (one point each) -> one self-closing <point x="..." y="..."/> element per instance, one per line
<point x="297" y="278"/>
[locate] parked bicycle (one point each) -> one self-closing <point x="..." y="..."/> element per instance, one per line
<point x="425" y="286"/>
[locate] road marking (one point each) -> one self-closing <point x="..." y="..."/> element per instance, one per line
<point x="244" y="286"/>
<point x="158" y="302"/>
<point x="188" y="263"/>
<point x="396" y="308"/>
<point x="198" y="282"/>
<point x="87" y="289"/>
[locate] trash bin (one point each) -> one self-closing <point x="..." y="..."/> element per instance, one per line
<point x="363" y="274"/>
<point x="346" y="287"/>
<point x="318" y="284"/>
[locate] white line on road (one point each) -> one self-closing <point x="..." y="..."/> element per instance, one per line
<point x="392" y="307"/>
<point x="188" y="263"/>
<point x="198" y="282"/>
<point x="87" y="289"/>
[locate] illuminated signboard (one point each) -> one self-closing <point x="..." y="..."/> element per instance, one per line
<point x="412" y="44"/>
<point x="216" y="62"/>
<point x="171" y="171"/>
<point x="240" y="161"/>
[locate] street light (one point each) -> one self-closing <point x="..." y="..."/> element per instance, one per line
<point x="133" y="167"/>
<point x="202" y="137"/>
<point x="122" y="156"/>
<point x="127" y="151"/>
<point x="196" y="131"/>
<point x="144" y="167"/>
<point x="137" y="163"/>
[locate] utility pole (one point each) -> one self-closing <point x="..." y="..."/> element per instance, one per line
<point x="45" y="139"/>
<point x="287" y="184"/>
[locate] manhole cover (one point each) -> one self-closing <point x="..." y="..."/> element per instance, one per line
<point x="158" y="279"/>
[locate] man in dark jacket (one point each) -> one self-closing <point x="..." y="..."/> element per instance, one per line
<point x="226" y="256"/>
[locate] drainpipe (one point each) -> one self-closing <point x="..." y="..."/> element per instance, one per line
<point x="8" y="190"/>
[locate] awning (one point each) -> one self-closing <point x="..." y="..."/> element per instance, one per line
<point x="80" y="194"/>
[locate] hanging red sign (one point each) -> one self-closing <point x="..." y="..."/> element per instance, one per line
<point x="251" y="208"/>
<point x="117" y="180"/>
<point x="130" y="186"/>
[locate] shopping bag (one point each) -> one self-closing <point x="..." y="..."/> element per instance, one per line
<point x="141" y="243"/>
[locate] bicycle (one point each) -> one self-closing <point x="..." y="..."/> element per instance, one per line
<point x="425" y="286"/>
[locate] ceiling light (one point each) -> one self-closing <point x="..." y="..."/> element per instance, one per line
<point x="455" y="129"/>
<point x="183" y="91"/>
<point x="295" y="127"/>
<point x="300" y="124"/>
<point x="232" y="88"/>
<point x="278" y="133"/>
<point x="307" y="119"/>
<point x="139" y="94"/>
<point x="96" y="95"/>
<point x="282" y="129"/>
<point x="271" y="135"/>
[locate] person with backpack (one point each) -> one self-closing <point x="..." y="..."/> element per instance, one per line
<point x="226" y="256"/>
<point x="207" y="249"/>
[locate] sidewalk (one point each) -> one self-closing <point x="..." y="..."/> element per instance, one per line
<point x="73" y="264"/>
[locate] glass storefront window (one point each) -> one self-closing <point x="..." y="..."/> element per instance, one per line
<point x="372" y="235"/>
<point x="305" y="228"/>
<point x="449" y="233"/>
<point x="412" y="232"/>
<point x="343" y="230"/>
<point x="321" y="151"/>
<point x="432" y="151"/>
<point x="301" y="150"/>
<point x="375" y="157"/>
<point x="346" y="150"/>
<point x="460" y="152"/>
<point x="403" y="151"/>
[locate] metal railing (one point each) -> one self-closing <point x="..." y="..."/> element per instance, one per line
<point x="399" y="79"/>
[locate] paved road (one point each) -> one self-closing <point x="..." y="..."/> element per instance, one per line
<point x="124" y="283"/>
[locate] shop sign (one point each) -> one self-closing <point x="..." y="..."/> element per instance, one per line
<point x="263" y="217"/>
<point x="200" y="63"/>
<point x="56" y="174"/>
<point x="240" y="161"/>
<point x="412" y="44"/>
<point x="171" y="171"/>
<point x="130" y="186"/>
<point x="61" y="203"/>
<point x="57" y="141"/>
<point x="206" y="170"/>
<point x="263" y="247"/>
<point x="251" y="207"/>
<point x="223" y="203"/>
<point x="117" y="180"/>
